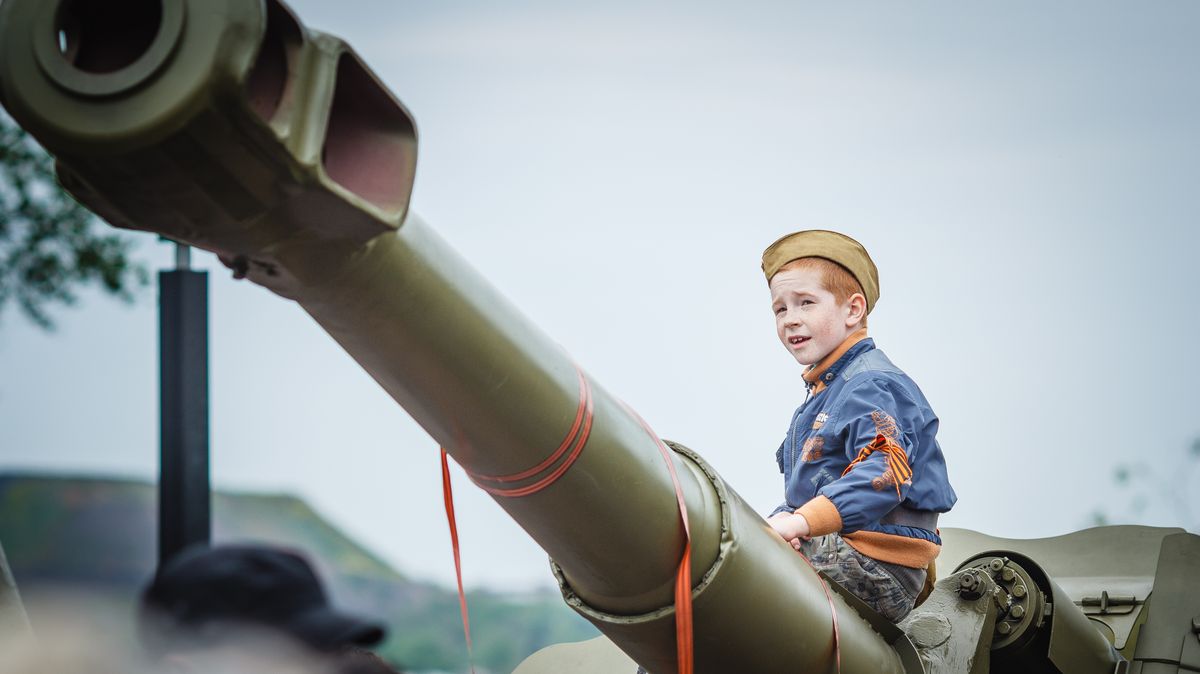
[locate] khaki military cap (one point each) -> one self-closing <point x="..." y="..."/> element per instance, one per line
<point x="831" y="246"/>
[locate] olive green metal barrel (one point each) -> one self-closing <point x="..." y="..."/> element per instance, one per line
<point x="227" y="125"/>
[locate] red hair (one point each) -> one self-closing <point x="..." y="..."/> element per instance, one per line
<point x="834" y="277"/>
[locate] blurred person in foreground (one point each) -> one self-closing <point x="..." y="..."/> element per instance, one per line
<point x="250" y="609"/>
<point x="68" y="640"/>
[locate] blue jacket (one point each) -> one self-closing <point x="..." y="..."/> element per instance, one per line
<point x="861" y="458"/>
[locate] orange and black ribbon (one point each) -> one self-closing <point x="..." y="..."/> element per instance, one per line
<point x="897" y="460"/>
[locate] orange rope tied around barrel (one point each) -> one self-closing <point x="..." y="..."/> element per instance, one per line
<point x="576" y="438"/>
<point x="572" y="446"/>
<point x="897" y="460"/>
<point x="837" y="638"/>
<point x="684" y="647"/>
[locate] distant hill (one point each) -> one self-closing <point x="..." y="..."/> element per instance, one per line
<point x="98" y="535"/>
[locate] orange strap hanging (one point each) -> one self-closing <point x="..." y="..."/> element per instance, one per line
<point x="837" y="638"/>
<point x="684" y="648"/>
<point x="575" y="440"/>
<point x="572" y="445"/>
<point x="448" y="498"/>
<point x="896" y="458"/>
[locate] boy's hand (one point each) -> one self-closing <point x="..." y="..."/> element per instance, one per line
<point x="791" y="527"/>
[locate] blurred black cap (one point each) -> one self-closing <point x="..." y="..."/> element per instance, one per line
<point x="260" y="586"/>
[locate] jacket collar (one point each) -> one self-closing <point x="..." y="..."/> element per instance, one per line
<point x="818" y="376"/>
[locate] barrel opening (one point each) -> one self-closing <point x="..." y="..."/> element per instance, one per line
<point x="269" y="86"/>
<point x="370" y="143"/>
<point x="104" y="36"/>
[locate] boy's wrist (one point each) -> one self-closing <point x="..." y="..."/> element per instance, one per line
<point x="802" y="528"/>
<point x="789" y="525"/>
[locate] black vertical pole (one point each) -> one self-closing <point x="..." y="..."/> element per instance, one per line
<point x="183" y="487"/>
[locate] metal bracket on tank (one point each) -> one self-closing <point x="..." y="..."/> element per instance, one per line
<point x="1107" y="604"/>
<point x="952" y="629"/>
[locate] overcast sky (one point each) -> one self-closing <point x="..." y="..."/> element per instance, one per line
<point x="1024" y="174"/>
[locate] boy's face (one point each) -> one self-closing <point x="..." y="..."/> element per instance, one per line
<point x="809" y="321"/>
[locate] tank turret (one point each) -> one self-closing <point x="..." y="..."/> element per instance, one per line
<point x="230" y="126"/>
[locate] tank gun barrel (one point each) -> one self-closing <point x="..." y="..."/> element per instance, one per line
<point x="228" y="125"/>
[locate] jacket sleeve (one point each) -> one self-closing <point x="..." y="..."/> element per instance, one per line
<point x="875" y="424"/>
<point x="782" y="507"/>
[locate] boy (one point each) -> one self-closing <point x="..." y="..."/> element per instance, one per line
<point x="864" y="477"/>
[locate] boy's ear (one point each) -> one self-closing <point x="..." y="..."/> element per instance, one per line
<point x="858" y="309"/>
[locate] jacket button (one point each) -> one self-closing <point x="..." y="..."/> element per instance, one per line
<point x="828" y="376"/>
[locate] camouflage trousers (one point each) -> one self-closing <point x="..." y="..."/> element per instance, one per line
<point x="890" y="589"/>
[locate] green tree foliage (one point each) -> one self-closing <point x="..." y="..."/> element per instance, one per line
<point x="1142" y="489"/>
<point x="50" y="246"/>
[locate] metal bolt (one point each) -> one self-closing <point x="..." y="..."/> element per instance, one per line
<point x="240" y="266"/>
<point x="969" y="586"/>
<point x="1017" y="611"/>
<point x="1008" y="574"/>
<point x="996" y="564"/>
<point x="1019" y="591"/>
<point x="1003" y="628"/>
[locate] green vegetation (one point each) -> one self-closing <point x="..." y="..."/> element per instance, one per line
<point x="47" y="522"/>
<point x="1166" y="486"/>
<point x="50" y="245"/>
